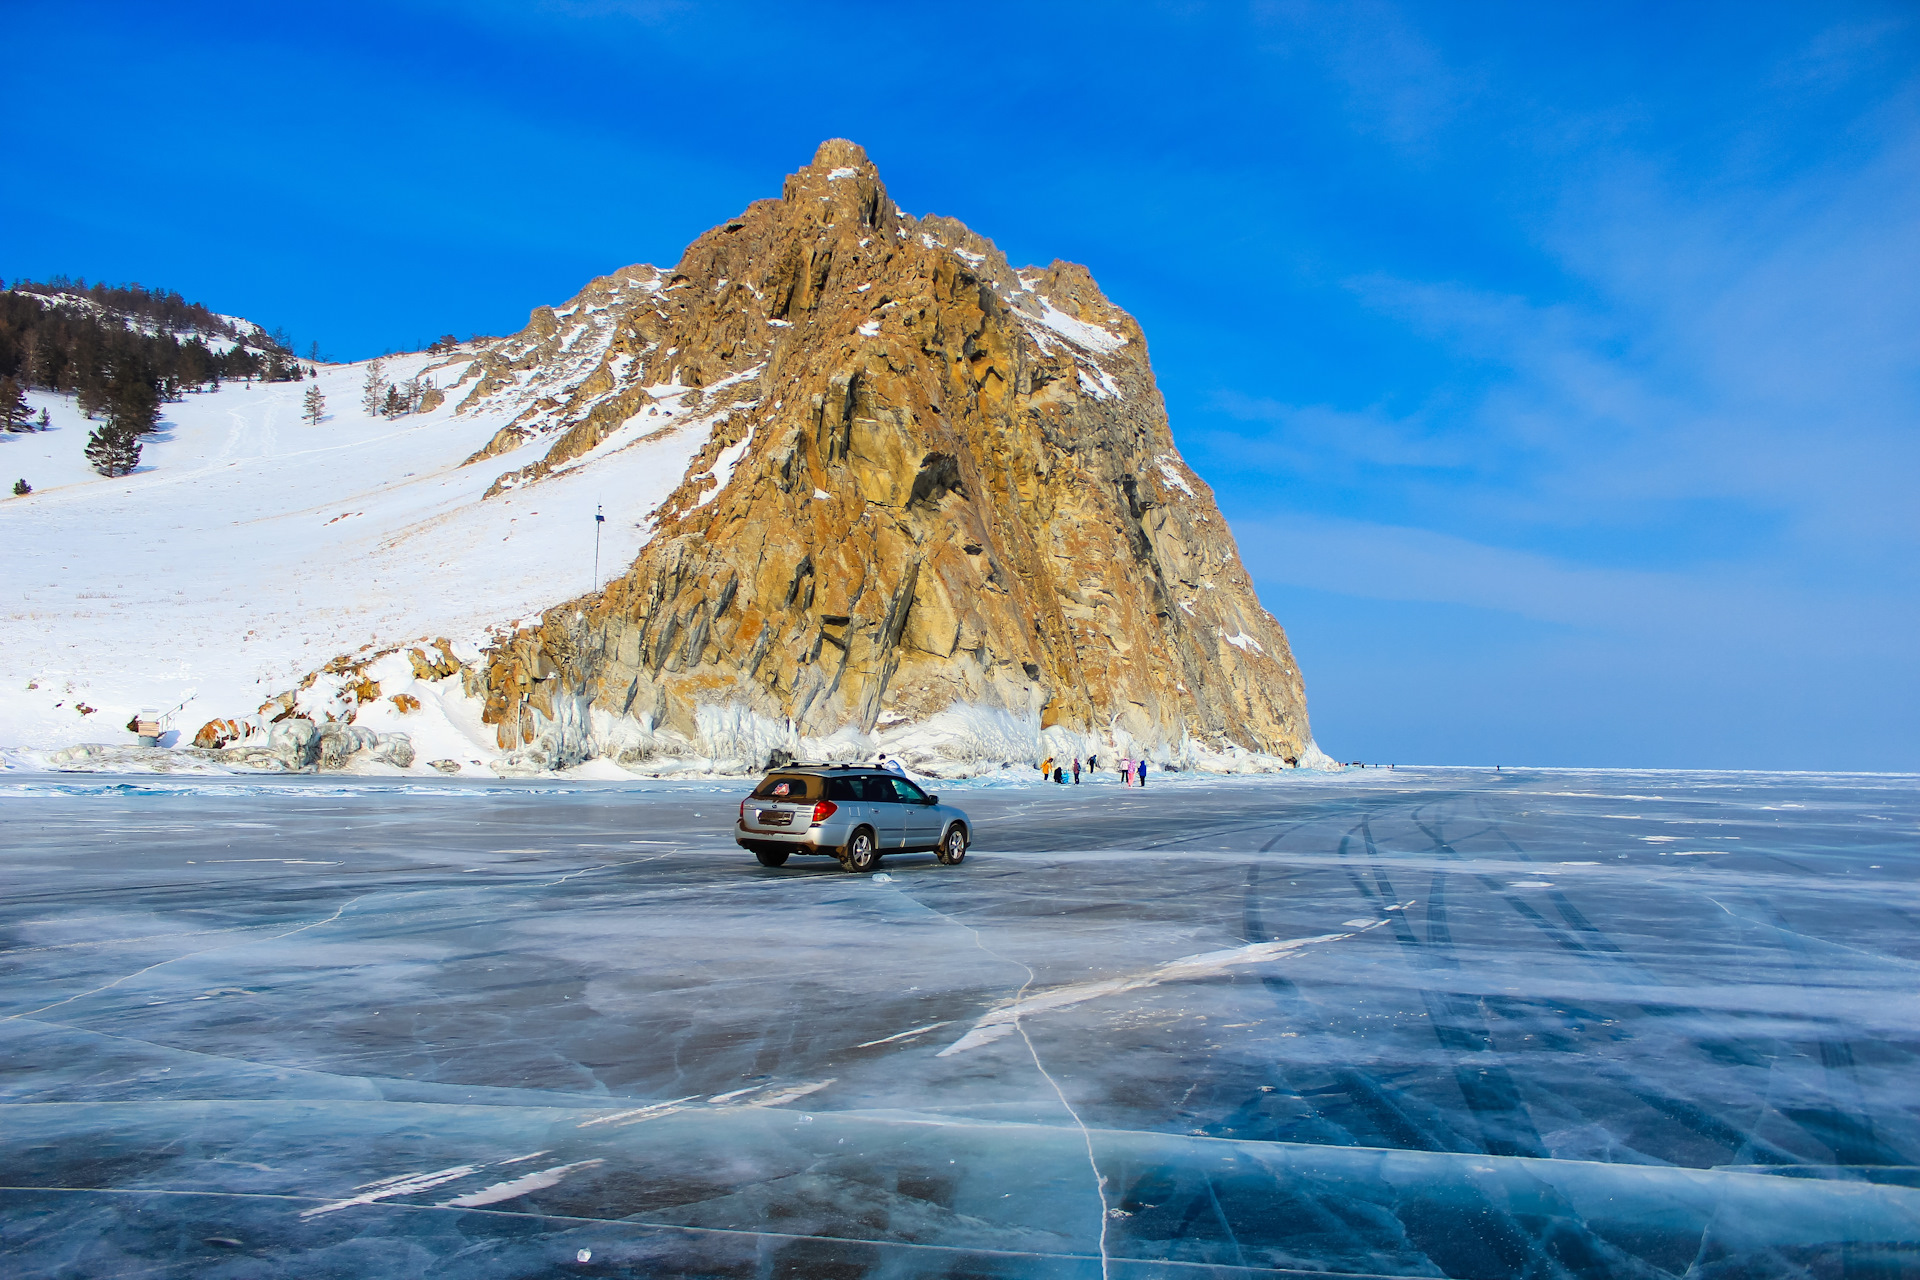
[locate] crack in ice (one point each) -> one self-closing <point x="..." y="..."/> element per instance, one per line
<point x="28" y="1013"/>
<point x="1099" y="1180"/>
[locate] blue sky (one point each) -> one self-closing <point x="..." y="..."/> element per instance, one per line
<point x="1558" y="366"/>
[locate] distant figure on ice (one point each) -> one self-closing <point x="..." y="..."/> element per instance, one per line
<point x="893" y="764"/>
<point x="1076" y="771"/>
<point x="1126" y="771"/>
<point x="1046" y="768"/>
<point x="1142" y="766"/>
<point x="1060" y="775"/>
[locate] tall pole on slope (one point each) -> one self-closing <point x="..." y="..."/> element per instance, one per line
<point x="598" y="519"/>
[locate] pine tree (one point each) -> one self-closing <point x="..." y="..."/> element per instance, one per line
<point x="132" y="403"/>
<point x="14" y="413"/>
<point x="316" y="406"/>
<point x="89" y="395"/>
<point x="395" y="403"/>
<point x="373" y="391"/>
<point x="112" y="451"/>
<point x="45" y="423"/>
<point x="21" y="488"/>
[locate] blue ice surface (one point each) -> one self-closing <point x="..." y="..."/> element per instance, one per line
<point x="1422" y="1022"/>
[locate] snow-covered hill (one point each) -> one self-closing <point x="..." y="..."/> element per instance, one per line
<point x="217" y="332"/>
<point x="251" y="548"/>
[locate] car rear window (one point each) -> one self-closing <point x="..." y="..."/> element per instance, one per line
<point x="788" y="786"/>
<point x="860" y="786"/>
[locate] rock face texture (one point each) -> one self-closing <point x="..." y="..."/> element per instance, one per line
<point x="940" y="512"/>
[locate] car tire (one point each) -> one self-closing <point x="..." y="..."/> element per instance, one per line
<point x="862" y="853"/>
<point x="771" y="857"/>
<point x="953" y="846"/>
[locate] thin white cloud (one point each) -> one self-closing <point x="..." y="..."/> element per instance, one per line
<point x="1398" y="85"/>
<point x="1322" y="437"/>
<point x="1672" y="611"/>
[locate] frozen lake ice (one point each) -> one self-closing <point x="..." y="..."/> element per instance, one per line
<point x="1423" y="1022"/>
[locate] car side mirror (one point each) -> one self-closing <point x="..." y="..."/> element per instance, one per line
<point x="933" y="799"/>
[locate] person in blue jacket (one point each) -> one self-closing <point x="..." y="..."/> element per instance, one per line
<point x="1142" y="767"/>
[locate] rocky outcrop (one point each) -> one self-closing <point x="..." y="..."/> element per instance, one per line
<point x="942" y="509"/>
<point x="290" y="745"/>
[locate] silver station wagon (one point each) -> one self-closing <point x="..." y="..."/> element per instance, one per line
<point x="854" y="813"/>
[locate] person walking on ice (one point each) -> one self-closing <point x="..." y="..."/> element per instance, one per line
<point x="1142" y="766"/>
<point x="1076" y="771"/>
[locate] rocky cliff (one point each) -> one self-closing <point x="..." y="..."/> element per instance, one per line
<point x="939" y="511"/>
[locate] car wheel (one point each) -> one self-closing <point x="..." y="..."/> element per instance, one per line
<point x="861" y="854"/>
<point x="953" y="846"/>
<point x="771" y="857"/>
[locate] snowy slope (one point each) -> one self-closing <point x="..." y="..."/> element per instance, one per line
<point x="251" y="548"/>
<point x="214" y="339"/>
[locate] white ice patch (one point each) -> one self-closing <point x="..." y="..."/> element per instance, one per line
<point x="521" y="1186"/>
<point x="647" y="1112"/>
<point x="405" y="1184"/>
<point x="870" y="329"/>
<point x="1002" y="1021"/>
<point x="904" y="1035"/>
<point x="1242" y="641"/>
<point x="792" y="1093"/>
<point x="835" y="175"/>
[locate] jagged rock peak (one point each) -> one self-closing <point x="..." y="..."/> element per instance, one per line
<point x="938" y="505"/>
<point x="840" y="153"/>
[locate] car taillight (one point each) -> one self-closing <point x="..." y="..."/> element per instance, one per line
<point x="822" y="810"/>
<point x="743" y="811"/>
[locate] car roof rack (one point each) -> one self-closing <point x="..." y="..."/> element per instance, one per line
<point x="819" y="764"/>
